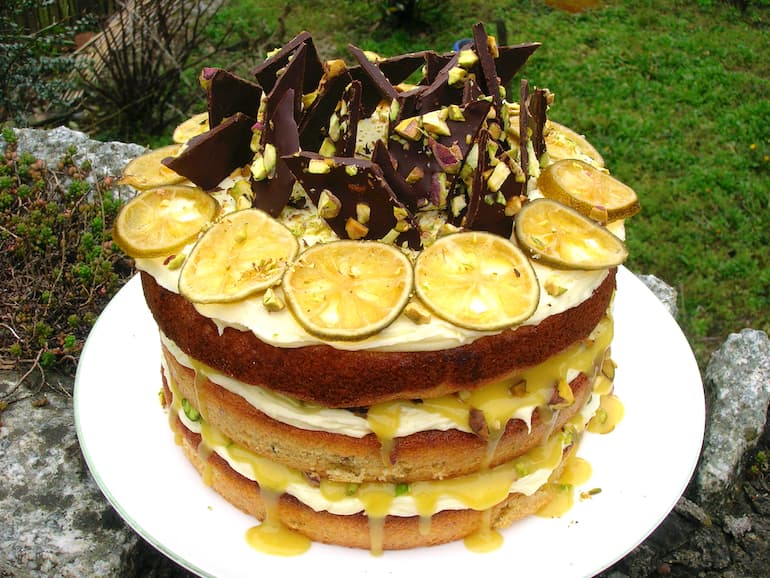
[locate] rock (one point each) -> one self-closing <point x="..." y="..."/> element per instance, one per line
<point x="662" y="291"/>
<point x="106" y="158"/>
<point x="54" y="521"/>
<point x="737" y="383"/>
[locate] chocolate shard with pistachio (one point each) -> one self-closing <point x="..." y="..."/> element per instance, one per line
<point x="268" y="71"/>
<point x="343" y="123"/>
<point x="271" y="180"/>
<point x="429" y="150"/>
<point x="314" y="126"/>
<point x="487" y="51"/>
<point x="533" y="107"/>
<point x="227" y="94"/>
<point x="355" y="200"/>
<point x="376" y="86"/>
<point x="290" y="79"/>
<point x="497" y="190"/>
<point x="213" y="155"/>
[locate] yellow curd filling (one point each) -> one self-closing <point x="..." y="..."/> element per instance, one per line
<point x="513" y="398"/>
<point x="478" y="491"/>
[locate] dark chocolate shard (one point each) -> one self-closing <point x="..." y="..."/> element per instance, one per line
<point x="213" y="155"/>
<point x="290" y="79"/>
<point x="272" y="193"/>
<point x="403" y="190"/>
<point x="314" y="125"/>
<point x="347" y="115"/>
<point x="533" y="107"/>
<point x="491" y="84"/>
<point x="363" y="202"/>
<point x="512" y="59"/>
<point x="434" y="63"/>
<point x="228" y="94"/>
<point x="492" y="189"/>
<point x="268" y="71"/>
<point x="377" y="76"/>
<point x="375" y="84"/>
<point x="399" y="68"/>
<point x="417" y="162"/>
<point x="440" y="93"/>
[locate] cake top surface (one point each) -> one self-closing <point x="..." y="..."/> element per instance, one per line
<point x="396" y="203"/>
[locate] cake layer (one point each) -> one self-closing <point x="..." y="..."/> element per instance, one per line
<point x="331" y="377"/>
<point x="356" y="530"/>
<point x="424" y="455"/>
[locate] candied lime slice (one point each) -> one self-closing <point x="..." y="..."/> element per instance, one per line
<point x="243" y="253"/>
<point x="348" y="290"/>
<point x="477" y="280"/>
<point x="162" y="220"/>
<point x="560" y="236"/>
<point x="146" y="171"/>
<point x="564" y="143"/>
<point x="193" y="126"/>
<point x="591" y="191"/>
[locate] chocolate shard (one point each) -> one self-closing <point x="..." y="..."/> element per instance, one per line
<point x="361" y="197"/>
<point x="314" y="125"/>
<point x="272" y="193"/>
<point x="399" y="68"/>
<point x="403" y="190"/>
<point x="420" y="161"/>
<point x="440" y="93"/>
<point x="533" y="107"/>
<point x="512" y="59"/>
<point x="347" y="115"/>
<point x="498" y="182"/>
<point x="267" y="72"/>
<point x="376" y="85"/>
<point x="434" y="63"/>
<point x="491" y="84"/>
<point x="213" y="155"/>
<point x="290" y="79"/>
<point x="227" y="94"/>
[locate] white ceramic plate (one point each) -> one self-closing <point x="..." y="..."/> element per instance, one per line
<point x="642" y="467"/>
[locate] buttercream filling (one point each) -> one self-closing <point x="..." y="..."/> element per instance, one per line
<point x="478" y="491"/>
<point x="516" y="397"/>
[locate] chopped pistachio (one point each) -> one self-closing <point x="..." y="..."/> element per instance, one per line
<point x="554" y="287"/>
<point x="271" y="157"/>
<point x="415" y="175"/>
<point x="417" y="312"/>
<point x="328" y="148"/>
<point x="513" y="205"/>
<point x="409" y="128"/>
<point x="329" y="204"/>
<point x="458" y="204"/>
<point x="335" y="67"/>
<point x="498" y="177"/>
<point x="455" y="113"/>
<point x="191" y="413"/>
<point x="258" y="169"/>
<point x="467" y="58"/>
<point x="272" y="301"/>
<point x="435" y="122"/>
<point x="318" y="167"/>
<point x="351" y="170"/>
<point x="363" y="212"/>
<point x="457" y="75"/>
<point x="176" y="261"/>
<point x="334" y="128"/>
<point x="395" y="107"/>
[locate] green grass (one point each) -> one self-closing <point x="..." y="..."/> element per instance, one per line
<point x="672" y="93"/>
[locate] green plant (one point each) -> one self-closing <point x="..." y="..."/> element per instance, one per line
<point x="35" y="66"/>
<point x="56" y="245"/>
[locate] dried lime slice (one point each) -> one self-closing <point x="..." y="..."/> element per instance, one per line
<point x="348" y="290"/>
<point x="560" y="236"/>
<point x="193" y="126"/>
<point x="589" y="190"/>
<point x="477" y="280"/>
<point x="162" y="220"/>
<point x="241" y="254"/>
<point x="146" y="171"/>
<point x="564" y="143"/>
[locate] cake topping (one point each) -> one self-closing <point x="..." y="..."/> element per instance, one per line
<point x="160" y="221"/>
<point x="241" y="254"/>
<point x="589" y="190"/>
<point x="227" y="94"/>
<point x="193" y="126"/>
<point x="477" y="280"/>
<point x="146" y="171"/>
<point x="562" y="237"/>
<point x="213" y="155"/>
<point x="348" y="290"/>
